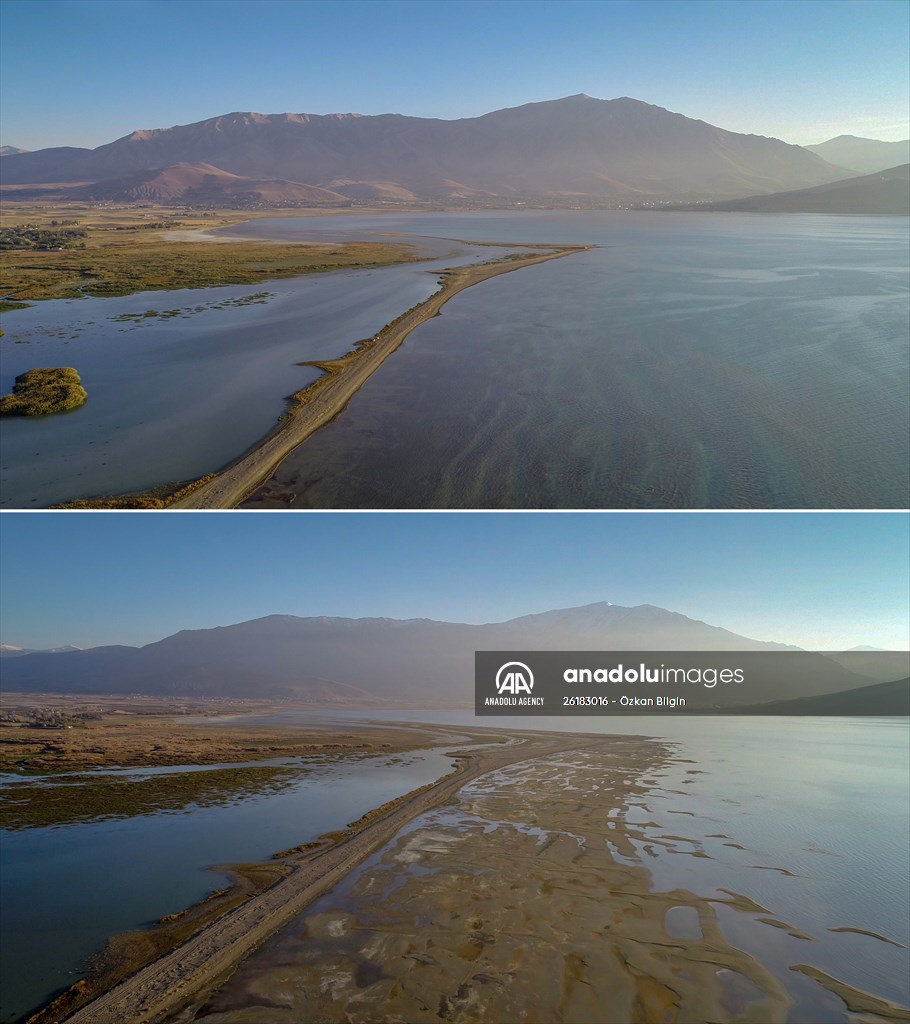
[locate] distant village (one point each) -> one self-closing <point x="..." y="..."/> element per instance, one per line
<point x="51" y="718"/>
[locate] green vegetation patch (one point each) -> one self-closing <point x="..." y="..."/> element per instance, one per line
<point x="255" y="299"/>
<point x="82" y="797"/>
<point x="40" y="239"/>
<point x="140" y="262"/>
<point x="44" y="391"/>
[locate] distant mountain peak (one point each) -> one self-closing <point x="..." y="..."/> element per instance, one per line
<point x="863" y="156"/>
<point x="12" y="651"/>
<point x="577" y="149"/>
<point x="849" y="138"/>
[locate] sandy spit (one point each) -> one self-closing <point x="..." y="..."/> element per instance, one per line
<point x="170" y="982"/>
<point x="323" y="402"/>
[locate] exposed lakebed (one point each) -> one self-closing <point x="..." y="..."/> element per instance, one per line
<point x="789" y="836"/>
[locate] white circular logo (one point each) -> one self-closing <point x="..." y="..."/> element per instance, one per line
<point x="514" y="677"/>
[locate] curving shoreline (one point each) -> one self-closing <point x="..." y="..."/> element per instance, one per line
<point x="167" y="984"/>
<point x="321" y="401"/>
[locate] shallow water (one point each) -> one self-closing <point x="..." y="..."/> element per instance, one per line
<point x="180" y="394"/>
<point x="64" y="890"/>
<point x="694" y="360"/>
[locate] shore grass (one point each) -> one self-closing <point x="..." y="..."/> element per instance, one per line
<point x="97" y="798"/>
<point x="158" y="497"/>
<point x="125" y="251"/>
<point x="44" y="391"/>
<point x="81" y="797"/>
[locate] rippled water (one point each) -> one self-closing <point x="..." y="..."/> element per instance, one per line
<point x="694" y="360"/>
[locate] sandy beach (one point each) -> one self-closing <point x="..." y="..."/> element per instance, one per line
<point x="325" y="398"/>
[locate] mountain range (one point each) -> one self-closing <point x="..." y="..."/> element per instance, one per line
<point x="11" y="651"/>
<point x="882" y="193"/>
<point x="862" y="156"/>
<point x="204" y="185"/>
<point x="374" y="660"/>
<point x="575" y="150"/>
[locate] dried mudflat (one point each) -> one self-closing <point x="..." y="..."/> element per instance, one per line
<point x="179" y="976"/>
<point x="516" y="890"/>
<point x="522" y="899"/>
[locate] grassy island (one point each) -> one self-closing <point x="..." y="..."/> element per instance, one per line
<point x="44" y="391"/>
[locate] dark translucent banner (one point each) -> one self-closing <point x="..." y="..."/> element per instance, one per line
<point x="854" y="683"/>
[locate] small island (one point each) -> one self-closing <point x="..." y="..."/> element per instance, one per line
<point x="44" y="391"/>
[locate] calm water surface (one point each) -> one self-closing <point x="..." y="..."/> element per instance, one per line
<point x="173" y="397"/>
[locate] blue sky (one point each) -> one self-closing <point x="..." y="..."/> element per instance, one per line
<point x="84" y="72"/>
<point x="819" y="580"/>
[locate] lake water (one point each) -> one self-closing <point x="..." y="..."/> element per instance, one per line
<point x="173" y="397"/>
<point x="64" y="890"/>
<point x="693" y="360"/>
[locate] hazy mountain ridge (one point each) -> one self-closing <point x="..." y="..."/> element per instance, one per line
<point x="11" y="651"/>
<point x="885" y="193"/>
<point x="375" y="659"/>
<point x="204" y="184"/>
<point x="880" y="699"/>
<point x="862" y="156"/>
<point x="575" y="146"/>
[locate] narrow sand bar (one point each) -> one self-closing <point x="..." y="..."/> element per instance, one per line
<point x="170" y="982"/>
<point x="319" y="403"/>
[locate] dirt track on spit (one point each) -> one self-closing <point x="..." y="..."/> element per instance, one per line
<point x="164" y="986"/>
